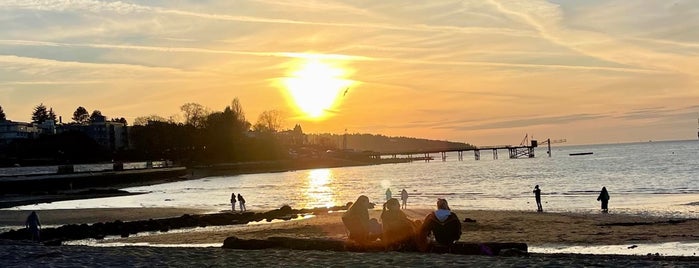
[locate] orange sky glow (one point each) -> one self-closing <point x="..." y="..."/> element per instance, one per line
<point x="482" y="72"/>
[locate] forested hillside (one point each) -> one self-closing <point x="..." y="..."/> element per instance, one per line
<point x="381" y="143"/>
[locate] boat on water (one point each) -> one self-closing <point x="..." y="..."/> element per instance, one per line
<point x="576" y="154"/>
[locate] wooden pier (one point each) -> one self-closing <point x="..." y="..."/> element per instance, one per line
<point x="514" y="151"/>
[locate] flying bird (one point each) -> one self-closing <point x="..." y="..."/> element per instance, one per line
<point x="344" y="94"/>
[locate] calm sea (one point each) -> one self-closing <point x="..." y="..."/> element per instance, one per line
<point x="654" y="178"/>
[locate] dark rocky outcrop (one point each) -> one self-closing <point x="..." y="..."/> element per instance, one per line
<point x="125" y="229"/>
<point x="493" y="249"/>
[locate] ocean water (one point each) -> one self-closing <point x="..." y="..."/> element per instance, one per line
<point x="650" y="178"/>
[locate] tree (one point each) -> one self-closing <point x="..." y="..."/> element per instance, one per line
<point x="237" y="109"/>
<point x="144" y="120"/>
<point x="194" y="114"/>
<point x="120" y="120"/>
<point x="81" y="116"/>
<point x="269" y="121"/>
<point x="40" y="114"/>
<point x="96" y="114"/>
<point x="2" y="114"/>
<point x="52" y="115"/>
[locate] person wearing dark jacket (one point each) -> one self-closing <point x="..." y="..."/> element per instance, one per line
<point x="537" y="197"/>
<point x="241" y="201"/>
<point x="604" y="198"/>
<point x="398" y="230"/>
<point x="442" y="223"/>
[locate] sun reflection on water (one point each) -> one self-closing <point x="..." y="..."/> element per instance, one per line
<point x="319" y="192"/>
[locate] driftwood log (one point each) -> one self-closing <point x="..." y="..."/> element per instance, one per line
<point x="493" y="249"/>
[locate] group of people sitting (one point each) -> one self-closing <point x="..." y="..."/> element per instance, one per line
<point x="396" y="231"/>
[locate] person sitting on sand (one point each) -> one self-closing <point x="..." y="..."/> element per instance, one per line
<point x="398" y="231"/>
<point x="356" y="220"/>
<point x="604" y="198"/>
<point x="443" y="223"/>
<point x="233" y="202"/>
<point x="34" y="226"/>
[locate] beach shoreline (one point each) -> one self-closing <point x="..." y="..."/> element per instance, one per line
<point x="183" y="247"/>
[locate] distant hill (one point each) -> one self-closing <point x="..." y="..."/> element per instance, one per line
<point x="384" y="144"/>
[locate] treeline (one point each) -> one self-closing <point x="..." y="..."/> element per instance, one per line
<point x="381" y="143"/>
<point x="203" y="137"/>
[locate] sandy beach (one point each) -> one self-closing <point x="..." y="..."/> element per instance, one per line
<point x="482" y="226"/>
<point x="489" y="226"/>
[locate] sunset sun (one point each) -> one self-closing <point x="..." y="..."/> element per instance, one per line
<point x="314" y="86"/>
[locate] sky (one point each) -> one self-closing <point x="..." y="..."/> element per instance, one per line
<point x="486" y="72"/>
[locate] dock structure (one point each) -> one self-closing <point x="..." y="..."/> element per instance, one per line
<point x="514" y="151"/>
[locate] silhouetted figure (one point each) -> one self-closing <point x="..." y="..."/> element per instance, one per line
<point x="404" y="198"/>
<point x="388" y="194"/>
<point x="33" y="225"/>
<point x="356" y="220"/>
<point x="398" y="231"/>
<point x="241" y="201"/>
<point x="604" y="198"/>
<point x="537" y="196"/>
<point x="232" y="201"/>
<point x="442" y="223"/>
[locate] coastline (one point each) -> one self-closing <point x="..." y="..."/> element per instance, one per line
<point x="25" y="194"/>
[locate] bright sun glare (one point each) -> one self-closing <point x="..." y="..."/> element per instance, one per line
<point x="315" y="86"/>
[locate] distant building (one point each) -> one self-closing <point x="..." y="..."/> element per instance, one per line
<point x="11" y="131"/>
<point x="108" y="134"/>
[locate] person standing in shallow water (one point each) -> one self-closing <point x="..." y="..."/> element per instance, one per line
<point x="604" y="198"/>
<point x="241" y="201"/>
<point x="388" y="194"/>
<point x="233" y="202"/>
<point x="34" y="226"/>
<point x="537" y="196"/>
<point x="404" y="198"/>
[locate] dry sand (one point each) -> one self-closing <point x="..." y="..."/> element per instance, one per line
<point x="497" y="226"/>
<point x="489" y="226"/>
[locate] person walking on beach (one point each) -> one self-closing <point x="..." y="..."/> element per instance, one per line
<point x="537" y="196"/>
<point x="233" y="202"/>
<point x="404" y="198"/>
<point x="34" y="226"/>
<point x="388" y="194"/>
<point x="604" y="198"/>
<point x="241" y="201"/>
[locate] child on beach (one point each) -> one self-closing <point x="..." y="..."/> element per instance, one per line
<point x="443" y="223"/>
<point x="233" y="202"/>
<point x="604" y="198"/>
<point x="356" y="220"/>
<point x="398" y="231"/>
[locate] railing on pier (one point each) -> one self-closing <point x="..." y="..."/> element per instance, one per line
<point x="514" y="152"/>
